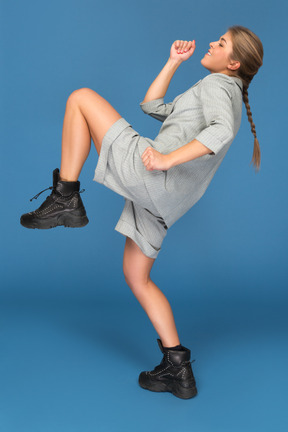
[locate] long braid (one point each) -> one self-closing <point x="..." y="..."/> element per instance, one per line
<point x="248" y="51"/>
<point x="256" y="158"/>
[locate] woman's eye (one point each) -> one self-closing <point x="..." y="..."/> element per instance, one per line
<point x="220" y="44"/>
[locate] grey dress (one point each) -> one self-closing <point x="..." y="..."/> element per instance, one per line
<point x="209" y="111"/>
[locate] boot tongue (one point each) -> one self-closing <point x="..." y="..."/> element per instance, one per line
<point x="55" y="177"/>
<point x="175" y="348"/>
<point x="165" y="349"/>
<point x="160" y="345"/>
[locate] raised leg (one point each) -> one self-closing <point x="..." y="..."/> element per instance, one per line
<point x="137" y="267"/>
<point x="87" y="115"/>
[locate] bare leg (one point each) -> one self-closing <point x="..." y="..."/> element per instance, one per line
<point x="87" y="115"/>
<point x="137" y="267"/>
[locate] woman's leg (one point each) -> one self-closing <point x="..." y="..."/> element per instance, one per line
<point x="137" y="267"/>
<point x="87" y="115"/>
<point x="174" y="374"/>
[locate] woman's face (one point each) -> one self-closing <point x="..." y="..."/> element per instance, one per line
<point x="217" y="59"/>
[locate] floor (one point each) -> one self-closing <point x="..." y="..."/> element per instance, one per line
<point x="71" y="363"/>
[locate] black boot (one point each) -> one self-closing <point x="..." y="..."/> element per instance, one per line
<point x="174" y="374"/>
<point x="63" y="206"/>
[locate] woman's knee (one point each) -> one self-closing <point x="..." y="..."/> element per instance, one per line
<point x="77" y="95"/>
<point x="136" y="265"/>
<point x="137" y="278"/>
<point x="135" y="281"/>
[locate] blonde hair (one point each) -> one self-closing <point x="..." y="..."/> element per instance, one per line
<point x="248" y="50"/>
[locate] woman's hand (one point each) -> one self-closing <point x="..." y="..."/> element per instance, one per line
<point x="153" y="160"/>
<point x="182" y="50"/>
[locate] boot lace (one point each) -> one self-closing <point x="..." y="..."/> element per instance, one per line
<point x="50" y="188"/>
<point x="36" y="196"/>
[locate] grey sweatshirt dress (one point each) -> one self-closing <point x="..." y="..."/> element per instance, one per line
<point x="209" y="111"/>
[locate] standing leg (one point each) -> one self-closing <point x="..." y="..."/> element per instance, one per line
<point x="137" y="267"/>
<point x="174" y="374"/>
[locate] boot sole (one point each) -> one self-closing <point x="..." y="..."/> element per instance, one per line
<point x="67" y="220"/>
<point x="173" y="387"/>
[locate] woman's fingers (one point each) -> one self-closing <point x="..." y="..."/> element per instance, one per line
<point x="182" y="46"/>
<point x="178" y="44"/>
<point x="146" y="161"/>
<point x="147" y="157"/>
<point x="154" y="160"/>
<point x="187" y="46"/>
<point x="146" y="154"/>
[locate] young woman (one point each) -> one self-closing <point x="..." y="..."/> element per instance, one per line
<point x="160" y="179"/>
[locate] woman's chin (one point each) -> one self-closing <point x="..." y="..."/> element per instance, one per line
<point x="203" y="64"/>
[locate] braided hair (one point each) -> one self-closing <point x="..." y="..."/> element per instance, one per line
<point x="248" y="50"/>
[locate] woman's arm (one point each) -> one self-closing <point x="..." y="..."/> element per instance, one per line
<point x="179" y="52"/>
<point x="154" y="160"/>
<point x="159" y="86"/>
<point x="187" y="152"/>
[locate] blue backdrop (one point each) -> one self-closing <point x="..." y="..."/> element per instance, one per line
<point x="73" y="337"/>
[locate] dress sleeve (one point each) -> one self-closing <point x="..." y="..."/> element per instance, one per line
<point x="216" y="98"/>
<point x="157" y="108"/>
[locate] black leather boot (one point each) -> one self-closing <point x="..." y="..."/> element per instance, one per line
<point x="174" y="374"/>
<point x="63" y="206"/>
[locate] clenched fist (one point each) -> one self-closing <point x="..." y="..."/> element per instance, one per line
<point x="153" y="160"/>
<point x="182" y="50"/>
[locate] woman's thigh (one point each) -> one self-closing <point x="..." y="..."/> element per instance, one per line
<point x="98" y="112"/>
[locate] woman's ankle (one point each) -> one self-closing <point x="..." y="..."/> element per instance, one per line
<point x="66" y="178"/>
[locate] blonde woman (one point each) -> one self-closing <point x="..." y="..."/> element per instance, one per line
<point x="160" y="179"/>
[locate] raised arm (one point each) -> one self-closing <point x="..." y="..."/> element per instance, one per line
<point x="160" y="85"/>
<point x="153" y="103"/>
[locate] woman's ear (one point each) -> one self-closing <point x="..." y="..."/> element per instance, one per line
<point x="234" y="65"/>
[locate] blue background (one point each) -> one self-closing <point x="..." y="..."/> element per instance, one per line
<point x="73" y="337"/>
